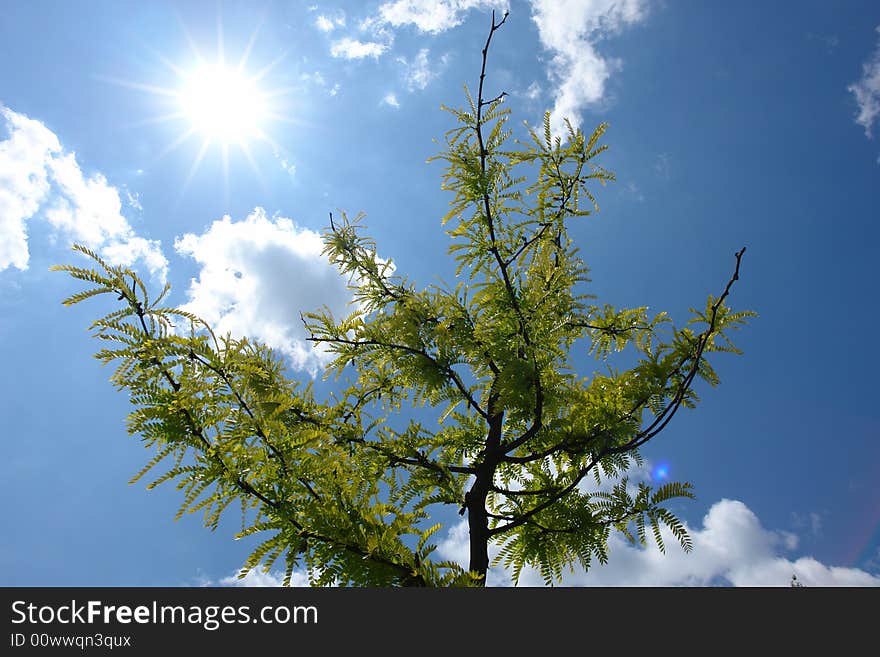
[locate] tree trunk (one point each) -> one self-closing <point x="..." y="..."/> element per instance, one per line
<point x="478" y="524"/>
<point x="475" y="501"/>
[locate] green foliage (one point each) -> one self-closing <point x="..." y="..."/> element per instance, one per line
<point x="338" y="487"/>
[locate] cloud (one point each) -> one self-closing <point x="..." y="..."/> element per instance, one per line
<point x="328" y="22"/>
<point x="570" y="29"/>
<point x="731" y="548"/>
<point x="290" y="167"/>
<point x="631" y="190"/>
<point x="258" y="578"/>
<point x="433" y="16"/>
<point x="427" y="16"/>
<point x="134" y="200"/>
<point x="318" y="80"/>
<point x="867" y="92"/>
<point x="36" y="174"/>
<point x="390" y="100"/>
<point x="24" y="182"/>
<point x="662" y="166"/>
<point x="285" y="162"/>
<point x="348" y="48"/>
<point x="829" y="41"/>
<point x="418" y="72"/>
<point x="534" y="91"/>
<point x="255" y="278"/>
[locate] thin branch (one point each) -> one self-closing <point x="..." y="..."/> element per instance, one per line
<point x="376" y="277"/>
<point x="503" y="93"/>
<point x="513" y="493"/>
<point x="548" y="502"/>
<point x="669" y="411"/>
<point x="419" y="460"/>
<point x="447" y="370"/>
<point x="490" y="223"/>
<point x="613" y="330"/>
<point x="244" y="405"/>
<point x="573" y="529"/>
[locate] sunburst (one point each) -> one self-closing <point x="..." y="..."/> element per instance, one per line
<point x="223" y="105"/>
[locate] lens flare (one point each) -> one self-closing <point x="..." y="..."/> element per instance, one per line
<point x="660" y="472"/>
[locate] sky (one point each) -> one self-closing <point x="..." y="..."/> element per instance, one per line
<point x="205" y="143"/>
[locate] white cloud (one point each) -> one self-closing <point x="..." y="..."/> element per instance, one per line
<point x="731" y="547"/>
<point x="429" y="16"/>
<point x="35" y="173"/>
<point x="329" y="22"/>
<point x="632" y="191"/>
<point x="255" y="278"/>
<point x="390" y="100"/>
<point x="534" y="91"/>
<point x="348" y="48"/>
<point x="418" y="71"/>
<point x="24" y="182"/>
<point x="811" y="521"/>
<point x="284" y="161"/>
<point x="258" y="578"/>
<point x="570" y="29"/>
<point x="830" y="41"/>
<point x="315" y="78"/>
<point x="88" y="209"/>
<point x="867" y="92"/>
<point x="134" y="200"/>
<point x="127" y="252"/>
<point x="318" y="80"/>
<point x="433" y="16"/>
<point x="662" y="166"/>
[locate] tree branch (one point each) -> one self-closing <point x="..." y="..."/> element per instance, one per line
<point x="246" y="487"/>
<point x="445" y="369"/>
<point x="669" y="411"/>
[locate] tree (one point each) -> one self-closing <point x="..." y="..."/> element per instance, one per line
<point x="338" y="488"/>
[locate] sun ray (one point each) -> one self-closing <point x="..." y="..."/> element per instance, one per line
<point x="289" y="120"/>
<point x="263" y="72"/>
<point x="140" y="86"/>
<point x="190" y="42"/>
<point x="225" y="157"/>
<point x="161" y="118"/>
<point x="195" y="165"/>
<point x="174" y="68"/>
<point x="245" y="148"/>
<point x="276" y="147"/>
<point x="278" y="92"/>
<point x="174" y="144"/>
<point x="242" y="62"/>
<point x="221" y="50"/>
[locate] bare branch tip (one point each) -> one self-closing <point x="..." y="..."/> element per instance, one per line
<point x="739" y="255"/>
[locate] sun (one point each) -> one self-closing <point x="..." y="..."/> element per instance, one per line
<point x="219" y="105"/>
<point x="223" y="104"/>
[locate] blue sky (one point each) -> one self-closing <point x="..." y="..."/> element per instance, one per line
<point x="731" y="124"/>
